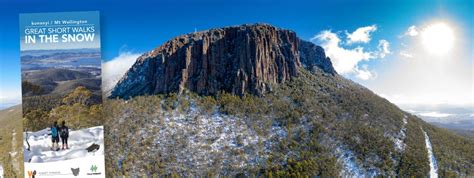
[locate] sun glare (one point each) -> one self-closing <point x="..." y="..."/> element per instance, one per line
<point x="437" y="38"/>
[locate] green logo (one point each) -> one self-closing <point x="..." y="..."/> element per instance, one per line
<point x="94" y="168"/>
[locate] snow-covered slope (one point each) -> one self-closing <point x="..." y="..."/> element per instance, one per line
<point x="79" y="140"/>
<point x="213" y="139"/>
<point x="49" y="163"/>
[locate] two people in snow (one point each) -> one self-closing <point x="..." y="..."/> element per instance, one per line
<point x="57" y="132"/>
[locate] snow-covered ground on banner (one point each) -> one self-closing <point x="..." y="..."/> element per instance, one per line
<point x="431" y="157"/>
<point x="50" y="163"/>
<point x="79" y="140"/>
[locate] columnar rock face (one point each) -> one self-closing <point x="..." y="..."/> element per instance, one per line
<point x="238" y="59"/>
<point x="313" y="58"/>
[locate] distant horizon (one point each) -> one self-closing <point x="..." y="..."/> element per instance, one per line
<point x="61" y="49"/>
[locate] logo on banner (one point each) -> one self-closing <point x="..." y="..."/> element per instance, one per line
<point x="93" y="170"/>
<point x="32" y="174"/>
<point x="75" y="171"/>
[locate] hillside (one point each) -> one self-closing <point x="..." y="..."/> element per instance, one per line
<point x="256" y="100"/>
<point x="57" y="81"/>
<point x="11" y="142"/>
<point x="65" y="87"/>
<point x="50" y="91"/>
<point x="55" y="75"/>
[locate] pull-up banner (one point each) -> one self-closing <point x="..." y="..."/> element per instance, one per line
<point x="61" y="93"/>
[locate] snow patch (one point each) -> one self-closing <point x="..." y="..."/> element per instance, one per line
<point x="350" y="166"/>
<point x="198" y="141"/>
<point x="431" y="157"/>
<point x="206" y="136"/>
<point x="349" y="163"/>
<point x="400" y="137"/>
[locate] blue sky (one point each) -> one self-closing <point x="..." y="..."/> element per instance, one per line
<point x="138" y="26"/>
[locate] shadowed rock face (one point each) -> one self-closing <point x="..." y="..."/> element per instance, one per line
<point x="313" y="58"/>
<point x="238" y="59"/>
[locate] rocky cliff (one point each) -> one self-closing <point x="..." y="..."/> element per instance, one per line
<point x="315" y="123"/>
<point x="238" y="59"/>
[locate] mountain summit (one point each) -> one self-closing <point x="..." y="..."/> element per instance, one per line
<point x="255" y="100"/>
<point x="237" y="59"/>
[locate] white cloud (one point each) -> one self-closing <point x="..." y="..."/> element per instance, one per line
<point x="406" y="54"/>
<point x="383" y="47"/>
<point x="347" y="60"/>
<point x="364" y="73"/>
<point x="9" y="97"/>
<point x="114" y="70"/>
<point x="435" y="114"/>
<point x="412" y="31"/>
<point x="361" y="35"/>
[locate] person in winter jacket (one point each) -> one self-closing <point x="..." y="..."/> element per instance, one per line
<point x="55" y="135"/>
<point x="64" y="133"/>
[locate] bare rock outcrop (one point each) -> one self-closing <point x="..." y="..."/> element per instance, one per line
<point x="238" y="59"/>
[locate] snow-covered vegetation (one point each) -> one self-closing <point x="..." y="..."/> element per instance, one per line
<point x="315" y="125"/>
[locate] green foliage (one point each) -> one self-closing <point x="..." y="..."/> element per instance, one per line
<point x="454" y="153"/>
<point x="313" y="109"/>
<point x="171" y="102"/>
<point x="208" y="103"/>
<point x="369" y="144"/>
<point x="80" y="95"/>
<point x="31" y="89"/>
<point x="414" y="160"/>
<point x="312" y="159"/>
<point x="77" y="116"/>
<point x="36" y="119"/>
<point x="245" y="106"/>
<point x="76" y="109"/>
<point x="43" y="102"/>
<point x="322" y="166"/>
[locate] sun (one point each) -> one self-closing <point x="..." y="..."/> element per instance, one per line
<point x="437" y="38"/>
